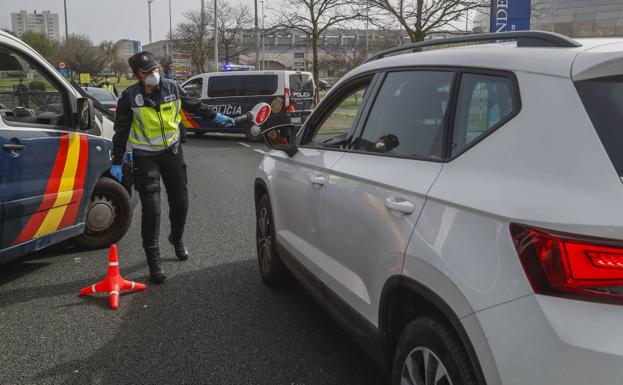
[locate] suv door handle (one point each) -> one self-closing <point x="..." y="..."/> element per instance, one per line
<point x="318" y="180"/>
<point x="399" y="204"/>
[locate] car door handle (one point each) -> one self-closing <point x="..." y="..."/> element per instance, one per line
<point x="399" y="204"/>
<point x="318" y="180"/>
<point x="13" y="147"/>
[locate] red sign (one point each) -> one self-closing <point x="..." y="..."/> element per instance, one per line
<point x="262" y="115"/>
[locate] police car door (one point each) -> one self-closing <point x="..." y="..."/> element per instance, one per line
<point x="41" y="161"/>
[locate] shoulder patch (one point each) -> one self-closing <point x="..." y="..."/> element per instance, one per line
<point x="138" y="99"/>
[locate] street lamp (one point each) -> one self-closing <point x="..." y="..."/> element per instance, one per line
<point x="215" y="36"/>
<point x="263" y="64"/>
<point x="66" y="29"/>
<point x="149" y="11"/>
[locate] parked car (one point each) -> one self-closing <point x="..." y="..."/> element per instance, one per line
<point x="459" y="210"/>
<point x="323" y="85"/>
<point x="55" y="162"/>
<point x="290" y="94"/>
<point x="105" y="97"/>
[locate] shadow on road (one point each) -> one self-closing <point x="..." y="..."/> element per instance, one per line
<point x="215" y="326"/>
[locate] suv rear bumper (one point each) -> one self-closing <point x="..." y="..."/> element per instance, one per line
<point x="555" y="341"/>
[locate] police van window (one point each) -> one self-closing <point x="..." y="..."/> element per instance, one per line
<point x="242" y="85"/>
<point x="27" y="97"/>
<point x="194" y="87"/>
<point x="334" y="130"/>
<point x="301" y="85"/>
<point x="484" y="102"/>
<point x="408" y="115"/>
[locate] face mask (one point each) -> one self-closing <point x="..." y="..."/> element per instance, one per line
<point x="153" y="79"/>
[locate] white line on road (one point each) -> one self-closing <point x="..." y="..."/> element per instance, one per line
<point x="244" y="144"/>
<point x="260" y="151"/>
<point x="219" y="134"/>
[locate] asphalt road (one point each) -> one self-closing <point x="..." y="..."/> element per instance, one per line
<point x="212" y="322"/>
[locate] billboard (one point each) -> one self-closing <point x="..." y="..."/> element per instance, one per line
<point x="510" y="15"/>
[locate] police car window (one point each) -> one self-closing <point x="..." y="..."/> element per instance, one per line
<point x="484" y="102"/>
<point x="301" y="85"/>
<point x="26" y="94"/>
<point x="333" y="131"/>
<point x="242" y="85"/>
<point x="194" y="88"/>
<point x="408" y="115"/>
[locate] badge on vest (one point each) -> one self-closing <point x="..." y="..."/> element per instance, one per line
<point x="170" y="98"/>
<point x="139" y="100"/>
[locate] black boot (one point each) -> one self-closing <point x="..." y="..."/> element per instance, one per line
<point x="156" y="274"/>
<point x="181" y="252"/>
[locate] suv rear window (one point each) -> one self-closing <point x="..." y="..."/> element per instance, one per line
<point x="242" y="85"/>
<point x="301" y="85"/>
<point x="603" y="100"/>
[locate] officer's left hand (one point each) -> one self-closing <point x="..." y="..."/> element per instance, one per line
<point x="224" y="120"/>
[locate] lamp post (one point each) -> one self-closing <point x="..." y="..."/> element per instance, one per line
<point x="257" y="41"/>
<point x="215" y="36"/>
<point x="149" y="11"/>
<point x="263" y="64"/>
<point x="66" y="29"/>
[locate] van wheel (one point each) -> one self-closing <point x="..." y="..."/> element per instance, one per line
<point x="272" y="270"/>
<point x="429" y="353"/>
<point x="251" y="137"/>
<point x="108" y="216"/>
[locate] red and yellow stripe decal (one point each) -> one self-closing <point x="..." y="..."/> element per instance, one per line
<point x="64" y="191"/>
<point x="188" y="121"/>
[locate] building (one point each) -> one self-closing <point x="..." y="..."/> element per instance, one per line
<point x="180" y="59"/>
<point x="45" y="23"/>
<point x="128" y="48"/>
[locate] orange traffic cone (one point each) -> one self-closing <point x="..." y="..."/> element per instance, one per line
<point x="113" y="283"/>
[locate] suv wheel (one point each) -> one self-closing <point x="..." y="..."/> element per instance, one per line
<point x="108" y="216"/>
<point x="429" y="353"/>
<point x="274" y="273"/>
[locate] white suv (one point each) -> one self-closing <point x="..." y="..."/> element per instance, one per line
<point x="460" y="210"/>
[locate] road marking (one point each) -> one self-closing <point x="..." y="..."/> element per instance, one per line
<point x="219" y="134"/>
<point x="260" y="151"/>
<point x="244" y="144"/>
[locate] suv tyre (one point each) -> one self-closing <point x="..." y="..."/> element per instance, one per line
<point x="428" y="340"/>
<point x="272" y="269"/>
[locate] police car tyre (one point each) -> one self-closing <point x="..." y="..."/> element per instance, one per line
<point x="429" y="340"/>
<point x="108" y="216"/>
<point x="272" y="269"/>
<point x="250" y="136"/>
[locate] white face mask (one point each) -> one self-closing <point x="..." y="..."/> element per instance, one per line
<point x="153" y="79"/>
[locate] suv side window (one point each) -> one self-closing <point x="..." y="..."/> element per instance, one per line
<point x="485" y="102"/>
<point x="408" y="116"/>
<point x="27" y="95"/>
<point x="194" y="88"/>
<point x="333" y="131"/>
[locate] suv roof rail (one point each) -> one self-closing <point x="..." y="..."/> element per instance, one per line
<point x="523" y="39"/>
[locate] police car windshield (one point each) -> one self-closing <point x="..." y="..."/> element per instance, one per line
<point x="301" y="85"/>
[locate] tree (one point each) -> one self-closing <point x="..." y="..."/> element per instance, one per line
<point x="41" y="43"/>
<point x="81" y="56"/>
<point x="195" y="36"/>
<point x="313" y="18"/>
<point x="421" y="17"/>
<point x="232" y="21"/>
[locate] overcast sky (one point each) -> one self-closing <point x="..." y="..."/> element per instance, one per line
<point x="110" y="19"/>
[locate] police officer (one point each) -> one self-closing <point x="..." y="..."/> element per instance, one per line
<point x="107" y="85"/>
<point x="148" y="118"/>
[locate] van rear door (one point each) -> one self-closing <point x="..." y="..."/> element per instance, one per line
<point x="302" y="91"/>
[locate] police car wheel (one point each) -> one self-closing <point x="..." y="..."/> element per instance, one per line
<point x="272" y="269"/>
<point x="108" y="215"/>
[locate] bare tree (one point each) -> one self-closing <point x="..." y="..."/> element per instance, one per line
<point x="196" y="36"/>
<point x="421" y="17"/>
<point x="313" y="18"/>
<point x="232" y="21"/>
<point x="80" y="55"/>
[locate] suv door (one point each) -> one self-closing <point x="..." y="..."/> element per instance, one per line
<point x="298" y="184"/>
<point x="42" y="163"/>
<point x="378" y="189"/>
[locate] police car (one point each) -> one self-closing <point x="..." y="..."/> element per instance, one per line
<point x="55" y="160"/>
<point x="291" y="95"/>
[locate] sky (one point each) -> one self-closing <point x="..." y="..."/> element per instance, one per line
<point x="110" y="19"/>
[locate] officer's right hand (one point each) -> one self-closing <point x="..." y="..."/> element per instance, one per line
<point x="117" y="172"/>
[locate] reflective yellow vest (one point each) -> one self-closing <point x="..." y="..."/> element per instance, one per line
<point x="108" y="87"/>
<point x="155" y="126"/>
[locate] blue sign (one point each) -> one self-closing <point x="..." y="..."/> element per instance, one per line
<point x="64" y="72"/>
<point x="510" y="15"/>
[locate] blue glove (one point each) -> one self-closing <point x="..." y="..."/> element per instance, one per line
<point x="223" y="120"/>
<point x="117" y="172"/>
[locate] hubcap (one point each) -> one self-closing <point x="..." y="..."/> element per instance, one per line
<point x="101" y="213"/>
<point x="264" y="240"/>
<point x="423" y="367"/>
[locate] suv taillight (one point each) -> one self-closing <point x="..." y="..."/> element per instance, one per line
<point x="562" y="264"/>
<point x="286" y="95"/>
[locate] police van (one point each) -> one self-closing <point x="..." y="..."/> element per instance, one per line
<point x="291" y="95"/>
<point x="55" y="160"/>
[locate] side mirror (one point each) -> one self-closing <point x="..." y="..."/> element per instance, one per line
<point x="86" y="114"/>
<point x="282" y="138"/>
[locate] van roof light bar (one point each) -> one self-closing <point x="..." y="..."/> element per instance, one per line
<point x="523" y="39"/>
